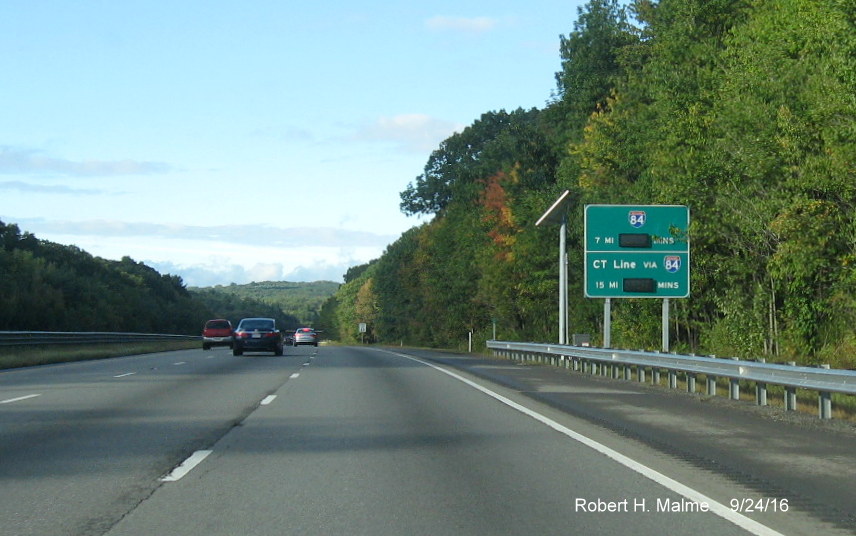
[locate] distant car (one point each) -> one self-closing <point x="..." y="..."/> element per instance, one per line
<point x="217" y="332"/>
<point x="305" y="336"/>
<point x="257" y="335"/>
<point x="289" y="338"/>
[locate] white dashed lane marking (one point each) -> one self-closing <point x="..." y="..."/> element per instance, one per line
<point x="10" y="400"/>
<point x="186" y="466"/>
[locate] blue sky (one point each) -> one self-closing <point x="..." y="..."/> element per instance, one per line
<point x="250" y="140"/>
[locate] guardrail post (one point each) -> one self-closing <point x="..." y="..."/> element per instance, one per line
<point x="655" y="376"/>
<point x="673" y="379"/>
<point x="791" y="394"/>
<point x="628" y="373"/>
<point x="761" y="390"/>
<point x="711" y="385"/>
<point x="824" y="402"/>
<point x="691" y="381"/>
<point x="640" y="372"/>
<point x="734" y="389"/>
<point x="734" y="386"/>
<point x="761" y="394"/>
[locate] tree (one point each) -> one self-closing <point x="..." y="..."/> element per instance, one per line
<point x="590" y="65"/>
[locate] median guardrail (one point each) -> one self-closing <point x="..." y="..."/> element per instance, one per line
<point x="618" y="363"/>
<point x="28" y="338"/>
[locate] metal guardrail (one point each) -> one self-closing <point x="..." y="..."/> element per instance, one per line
<point x="605" y="360"/>
<point x="30" y="338"/>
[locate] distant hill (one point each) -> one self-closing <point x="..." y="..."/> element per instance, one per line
<point x="296" y="299"/>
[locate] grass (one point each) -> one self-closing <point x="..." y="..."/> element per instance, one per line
<point x="28" y="356"/>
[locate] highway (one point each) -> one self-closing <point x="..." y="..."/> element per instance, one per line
<point x="391" y="441"/>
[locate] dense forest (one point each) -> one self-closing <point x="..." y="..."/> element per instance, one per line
<point x="52" y="287"/>
<point x="743" y="110"/>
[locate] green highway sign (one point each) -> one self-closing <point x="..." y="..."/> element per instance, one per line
<point x="637" y="251"/>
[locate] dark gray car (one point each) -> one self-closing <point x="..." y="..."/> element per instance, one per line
<point x="257" y="335"/>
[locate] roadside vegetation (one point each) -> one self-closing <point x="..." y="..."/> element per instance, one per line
<point x="743" y="110"/>
<point x="28" y="356"/>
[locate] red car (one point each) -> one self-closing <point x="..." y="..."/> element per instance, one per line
<point x="217" y="333"/>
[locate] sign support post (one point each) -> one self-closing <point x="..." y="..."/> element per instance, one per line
<point x="557" y="214"/>
<point x="563" y="281"/>
<point x="607" y="323"/>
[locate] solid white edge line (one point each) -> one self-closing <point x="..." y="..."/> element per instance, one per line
<point x="267" y="400"/>
<point x="696" y="496"/>
<point x="186" y="466"/>
<point x="9" y="401"/>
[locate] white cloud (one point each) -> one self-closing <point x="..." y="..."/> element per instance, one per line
<point x="329" y="265"/>
<point x="414" y="132"/>
<point x="207" y="256"/>
<point x="45" y="189"/>
<point x="260" y="235"/>
<point x="265" y="272"/>
<point x="462" y="24"/>
<point x="31" y="162"/>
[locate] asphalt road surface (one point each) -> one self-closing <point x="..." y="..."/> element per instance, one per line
<point x="345" y="440"/>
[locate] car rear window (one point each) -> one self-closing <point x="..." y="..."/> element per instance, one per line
<point x="257" y="324"/>
<point x="217" y="324"/>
